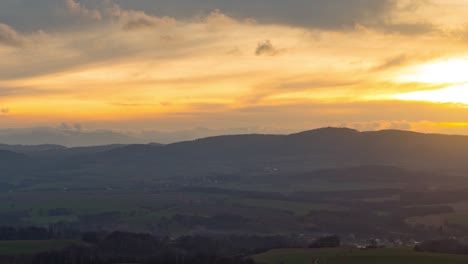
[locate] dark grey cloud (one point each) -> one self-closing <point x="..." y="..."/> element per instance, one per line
<point x="315" y="13"/>
<point x="322" y="14"/>
<point x="29" y="15"/>
<point x="50" y="15"/>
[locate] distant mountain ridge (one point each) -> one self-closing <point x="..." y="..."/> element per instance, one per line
<point x="72" y="137"/>
<point x="63" y="137"/>
<point x="254" y="155"/>
<point x="31" y="148"/>
<point x="305" y="151"/>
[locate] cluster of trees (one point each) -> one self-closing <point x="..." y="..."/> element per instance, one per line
<point x="12" y="217"/>
<point x="25" y="233"/>
<point x="219" y="221"/>
<point x="445" y="246"/>
<point x="123" y="247"/>
<point x="434" y="197"/>
<point x="84" y="256"/>
<point x="146" y="244"/>
<point x="59" y="212"/>
<point x="326" y="242"/>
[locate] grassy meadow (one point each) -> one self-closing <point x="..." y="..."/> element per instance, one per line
<point x="356" y="256"/>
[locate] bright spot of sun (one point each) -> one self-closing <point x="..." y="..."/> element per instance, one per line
<point x="439" y="72"/>
<point x="455" y="94"/>
<point x="451" y="73"/>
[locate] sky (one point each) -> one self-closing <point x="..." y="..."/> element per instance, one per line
<point x="263" y="65"/>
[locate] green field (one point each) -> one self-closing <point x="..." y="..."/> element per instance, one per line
<point x="29" y="247"/>
<point x="347" y="256"/>
<point x="139" y="210"/>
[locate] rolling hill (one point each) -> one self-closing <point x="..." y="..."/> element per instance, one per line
<point x="250" y="155"/>
<point x="307" y="151"/>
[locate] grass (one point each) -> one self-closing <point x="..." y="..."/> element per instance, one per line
<point x="37" y="204"/>
<point x="30" y="247"/>
<point x="346" y="256"/>
<point x="137" y="209"/>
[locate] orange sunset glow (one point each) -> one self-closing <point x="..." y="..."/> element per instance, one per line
<point x="233" y="131"/>
<point x="141" y="65"/>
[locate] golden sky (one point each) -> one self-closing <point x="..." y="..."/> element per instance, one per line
<point x="267" y="65"/>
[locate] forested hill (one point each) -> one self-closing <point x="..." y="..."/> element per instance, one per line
<point x="249" y="155"/>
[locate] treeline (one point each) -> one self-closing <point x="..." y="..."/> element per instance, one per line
<point x="55" y="231"/>
<point x="444" y="246"/>
<point x="73" y="256"/>
<point x="12" y="217"/>
<point x="25" y="233"/>
<point x="403" y="197"/>
<point x="129" y="244"/>
<point x="124" y="247"/>
<point x="87" y="256"/>
<point x="298" y="196"/>
<point x="434" y="197"/>
<point x="326" y="242"/>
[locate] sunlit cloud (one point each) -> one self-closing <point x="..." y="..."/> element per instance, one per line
<point x="457" y="94"/>
<point x="177" y="63"/>
<point x="454" y="70"/>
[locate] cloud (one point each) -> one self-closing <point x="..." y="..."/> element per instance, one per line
<point x="75" y="8"/>
<point x="392" y="62"/>
<point x="77" y="127"/>
<point x="25" y="91"/>
<point x="312" y="14"/>
<point x="4" y="111"/>
<point x="64" y="126"/>
<point x="266" y="48"/>
<point x="138" y="24"/>
<point x="9" y="37"/>
<point x="136" y="20"/>
<point x="315" y="86"/>
<point x="70" y="126"/>
<point x="205" y="62"/>
<point x="408" y="28"/>
<point x="405" y="60"/>
<point x="317" y="14"/>
<point x="380" y="125"/>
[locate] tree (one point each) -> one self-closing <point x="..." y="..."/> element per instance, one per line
<point x="326" y="242"/>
